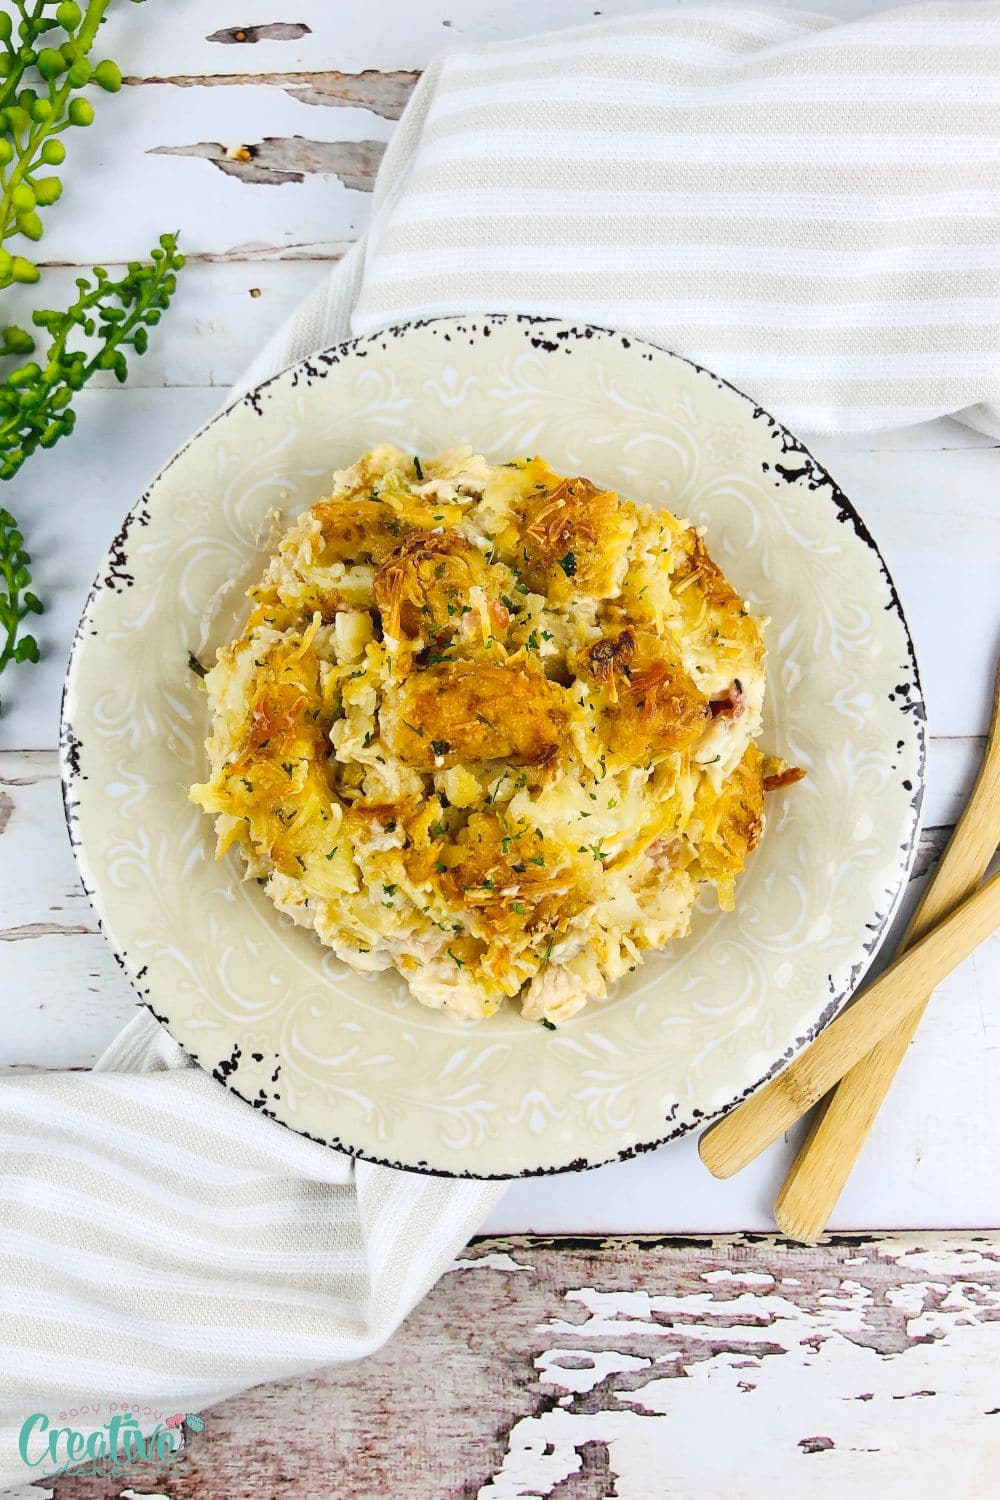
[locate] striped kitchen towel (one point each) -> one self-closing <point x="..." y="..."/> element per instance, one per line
<point x="810" y="209"/>
<point x="163" y="1246"/>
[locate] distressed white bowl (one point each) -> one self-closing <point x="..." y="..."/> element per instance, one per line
<point x="352" y="1060"/>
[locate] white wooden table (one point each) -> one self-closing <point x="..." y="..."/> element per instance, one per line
<point x="316" y="93"/>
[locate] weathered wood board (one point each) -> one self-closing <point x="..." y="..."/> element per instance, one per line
<point x="734" y="1368"/>
<point x="201" y="72"/>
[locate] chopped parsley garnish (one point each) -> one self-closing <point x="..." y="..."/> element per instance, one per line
<point x="439" y="867"/>
<point x="391" y="827"/>
<point x="300" y="861"/>
<point x="518" y="908"/>
<point x="568" y="564"/>
<point x="508" y="604"/>
<point x="532" y="641"/>
<point x="247" y="784"/>
<point x="459" y="963"/>
<point x="539" y="834"/>
<point x="522" y="588"/>
<point x="538" y="859"/>
<point x="549" y="1025"/>
<point x="287" y="767"/>
<point x="390" y="890"/>
<point x="437" y="830"/>
<point x="332" y="852"/>
<point x="196" y="666"/>
<point x="483" y="720"/>
<point x="414" y="728"/>
<point x="418" y="468"/>
<point x="440" y="747"/>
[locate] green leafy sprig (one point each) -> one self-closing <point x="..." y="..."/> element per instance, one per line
<point x="33" y="117"/>
<point x="44" y="67"/>
<point x="35" y="410"/>
<point x="16" y="600"/>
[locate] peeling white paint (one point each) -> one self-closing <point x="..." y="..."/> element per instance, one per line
<point x="500" y="1262"/>
<point x="577" y="1370"/>
<point x="880" y="1383"/>
<point x="740" y="1278"/>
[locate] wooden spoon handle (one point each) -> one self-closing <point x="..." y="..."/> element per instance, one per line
<point x="827" y="1156"/>
<point x="729" y="1145"/>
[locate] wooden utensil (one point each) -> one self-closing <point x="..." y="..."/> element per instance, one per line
<point x="826" y="1158"/>
<point x="735" y="1140"/>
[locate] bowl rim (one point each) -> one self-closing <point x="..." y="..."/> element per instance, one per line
<point x="792" y="447"/>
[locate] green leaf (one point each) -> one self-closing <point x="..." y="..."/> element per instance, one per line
<point x="26" y="649"/>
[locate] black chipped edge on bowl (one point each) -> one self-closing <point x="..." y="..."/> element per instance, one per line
<point x="797" y="464"/>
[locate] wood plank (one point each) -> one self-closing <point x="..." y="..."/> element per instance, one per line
<point x="639" y="1367"/>
<point x="220" y="318"/>
<point x="157" y="149"/>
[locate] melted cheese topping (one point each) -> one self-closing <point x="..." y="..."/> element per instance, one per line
<point x="491" y="726"/>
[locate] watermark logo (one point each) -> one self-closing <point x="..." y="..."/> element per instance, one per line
<point x="119" y="1444"/>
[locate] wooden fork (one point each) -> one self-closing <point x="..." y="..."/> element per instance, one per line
<point x="862" y="1049"/>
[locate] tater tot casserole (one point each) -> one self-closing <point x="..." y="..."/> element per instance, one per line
<point x="491" y="726"/>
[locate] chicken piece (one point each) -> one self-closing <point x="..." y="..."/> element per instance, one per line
<point x="575" y="538"/>
<point x="652" y="704"/>
<point x="423" y="586"/>
<point x="356" y="531"/>
<point x="464" y="711"/>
